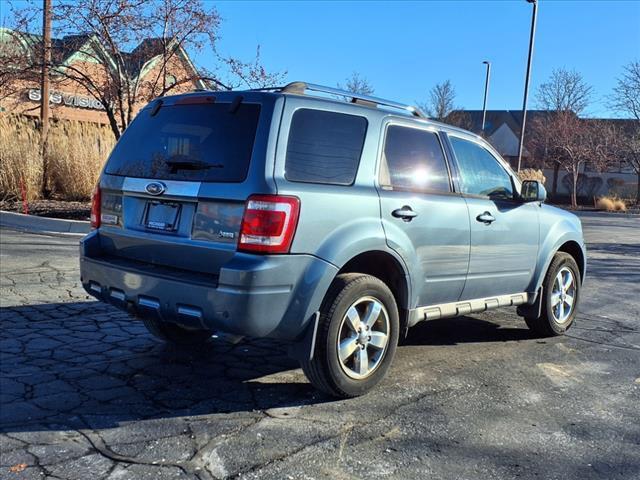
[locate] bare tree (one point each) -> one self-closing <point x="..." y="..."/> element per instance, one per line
<point x="250" y="74"/>
<point x="626" y="94"/>
<point x="570" y="142"/>
<point x="459" y="118"/>
<point x="15" y="66"/>
<point x="628" y="148"/>
<point x="357" y="84"/>
<point x="441" y="101"/>
<point x="565" y="90"/>
<point x="625" y="99"/>
<point x="162" y="30"/>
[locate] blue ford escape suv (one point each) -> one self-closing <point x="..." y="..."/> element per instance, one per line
<point x="332" y="220"/>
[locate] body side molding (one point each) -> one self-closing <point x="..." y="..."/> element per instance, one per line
<point x="465" y="307"/>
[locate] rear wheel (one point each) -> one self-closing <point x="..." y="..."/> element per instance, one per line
<point x="561" y="293"/>
<point x="170" y="332"/>
<point x="357" y="336"/>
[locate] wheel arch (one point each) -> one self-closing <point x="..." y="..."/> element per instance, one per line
<point x="568" y="244"/>
<point x="391" y="270"/>
<point x="573" y="248"/>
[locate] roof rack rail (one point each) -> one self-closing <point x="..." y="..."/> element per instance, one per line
<point x="300" y="88"/>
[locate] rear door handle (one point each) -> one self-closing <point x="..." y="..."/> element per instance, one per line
<point x="486" y="218"/>
<point x="405" y="213"/>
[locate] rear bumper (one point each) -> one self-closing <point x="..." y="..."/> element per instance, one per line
<point x="254" y="295"/>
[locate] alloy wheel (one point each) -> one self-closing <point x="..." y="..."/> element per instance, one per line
<point x="563" y="295"/>
<point x="363" y="337"/>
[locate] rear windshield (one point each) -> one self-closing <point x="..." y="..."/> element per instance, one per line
<point x="203" y="142"/>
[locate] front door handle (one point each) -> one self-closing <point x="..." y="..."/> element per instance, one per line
<point x="405" y="213"/>
<point x="486" y="218"/>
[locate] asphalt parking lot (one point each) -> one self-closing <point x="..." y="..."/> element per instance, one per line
<point x="86" y="392"/>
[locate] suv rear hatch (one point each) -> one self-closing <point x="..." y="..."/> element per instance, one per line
<point x="173" y="190"/>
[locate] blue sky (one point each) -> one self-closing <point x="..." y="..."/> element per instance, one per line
<point x="404" y="48"/>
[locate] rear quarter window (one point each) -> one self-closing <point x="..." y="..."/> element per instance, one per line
<point x="324" y="147"/>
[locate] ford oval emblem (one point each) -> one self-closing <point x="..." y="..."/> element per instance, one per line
<point x="156" y="188"/>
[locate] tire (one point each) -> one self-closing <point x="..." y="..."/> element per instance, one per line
<point x="372" y="350"/>
<point x="172" y="333"/>
<point x="553" y="321"/>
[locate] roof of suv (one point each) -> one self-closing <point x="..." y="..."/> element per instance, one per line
<point x="339" y="96"/>
<point x="332" y="95"/>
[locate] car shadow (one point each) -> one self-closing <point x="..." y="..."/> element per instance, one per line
<point x="86" y="365"/>
<point x="452" y="331"/>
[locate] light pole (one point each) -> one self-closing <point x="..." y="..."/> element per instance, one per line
<point x="486" y="94"/>
<point x="532" y="37"/>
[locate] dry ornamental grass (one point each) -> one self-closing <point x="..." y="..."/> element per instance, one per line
<point x="605" y="203"/>
<point x="531" y="174"/>
<point x="611" y="204"/>
<point x="20" y="160"/>
<point x="76" y="152"/>
<point x="619" y="206"/>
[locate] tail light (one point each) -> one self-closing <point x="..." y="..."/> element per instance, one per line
<point x="269" y="223"/>
<point x="95" y="207"/>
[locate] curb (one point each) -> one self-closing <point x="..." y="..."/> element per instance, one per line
<point x="601" y="214"/>
<point x="33" y="223"/>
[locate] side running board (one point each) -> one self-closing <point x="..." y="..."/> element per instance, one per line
<point x="465" y="307"/>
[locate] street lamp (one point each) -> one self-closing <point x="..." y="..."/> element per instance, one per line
<point x="532" y="37"/>
<point x="486" y="93"/>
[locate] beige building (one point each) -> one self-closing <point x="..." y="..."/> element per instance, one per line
<point x="502" y="130"/>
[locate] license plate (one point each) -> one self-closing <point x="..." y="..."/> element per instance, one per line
<point x="162" y="216"/>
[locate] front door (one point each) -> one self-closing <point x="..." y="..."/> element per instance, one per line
<point x="424" y="220"/>
<point x="504" y="231"/>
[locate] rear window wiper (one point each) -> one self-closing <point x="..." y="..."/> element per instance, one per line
<point x="176" y="165"/>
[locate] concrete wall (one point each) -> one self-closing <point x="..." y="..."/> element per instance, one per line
<point x="624" y="185"/>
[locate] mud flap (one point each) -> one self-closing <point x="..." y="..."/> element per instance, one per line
<point x="303" y="349"/>
<point x="533" y="310"/>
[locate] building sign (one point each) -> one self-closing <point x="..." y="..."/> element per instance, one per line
<point x="67" y="99"/>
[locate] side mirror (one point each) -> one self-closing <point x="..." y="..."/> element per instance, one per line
<point x="533" y="191"/>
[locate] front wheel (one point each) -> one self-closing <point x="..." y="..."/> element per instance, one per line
<point x="561" y="293"/>
<point x="357" y="336"/>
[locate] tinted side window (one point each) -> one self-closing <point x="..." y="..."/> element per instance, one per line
<point x="413" y="160"/>
<point x="480" y="172"/>
<point x="324" y="147"/>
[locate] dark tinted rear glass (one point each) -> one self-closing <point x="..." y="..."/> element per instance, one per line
<point x="201" y="142"/>
<point x="324" y="147"/>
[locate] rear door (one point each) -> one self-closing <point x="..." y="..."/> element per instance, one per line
<point x="174" y="187"/>
<point x="504" y="231"/>
<point x="425" y="221"/>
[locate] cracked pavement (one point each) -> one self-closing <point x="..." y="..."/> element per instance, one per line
<point x="86" y="392"/>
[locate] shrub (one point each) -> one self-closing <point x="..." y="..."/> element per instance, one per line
<point x="611" y="204"/>
<point x="76" y="152"/>
<point x="619" y="205"/>
<point x="532" y="174"/>
<point x="605" y="203"/>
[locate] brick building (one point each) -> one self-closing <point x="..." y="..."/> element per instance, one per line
<point x="147" y="67"/>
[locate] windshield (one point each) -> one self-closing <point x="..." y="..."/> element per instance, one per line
<point x="201" y="142"/>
